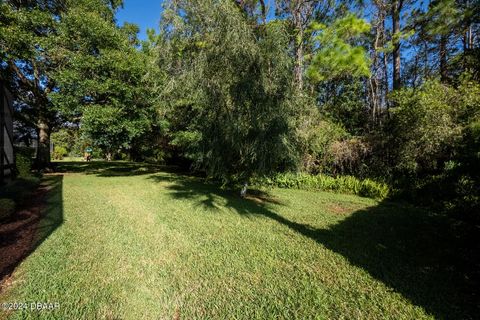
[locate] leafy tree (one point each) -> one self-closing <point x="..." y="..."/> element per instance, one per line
<point x="65" y="138"/>
<point x="232" y="86"/>
<point x="428" y="124"/>
<point x="300" y="14"/>
<point x="344" y="101"/>
<point x="338" y="66"/>
<point x="256" y="9"/>
<point x="40" y="41"/>
<point x="25" y="39"/>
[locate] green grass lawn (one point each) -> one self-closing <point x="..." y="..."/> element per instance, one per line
<point x="123" y="241"/>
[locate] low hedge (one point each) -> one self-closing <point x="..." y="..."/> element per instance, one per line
<point x="342" y="184"/>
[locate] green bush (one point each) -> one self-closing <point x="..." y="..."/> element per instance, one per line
<point x="436" y="147"/>
<point x="59" y="153"/>
<point x="428" y="124"/>
<point x="342" y="184"/>
<point x="7" y="208"/>
<point x="24" y="161"/>
<point x="314" y="137"/>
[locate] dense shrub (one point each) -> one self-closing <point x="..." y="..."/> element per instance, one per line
<point x="59" y="153"/>
<point x="7" y="208"/>
<point x="341" y="184"/>
<point x="427" y="124"/>
<point x="18" y="191"/>
<point x="24" y="161"/>
<point x="435" y="143"/>
<point x="326" y="147"/>
<point x="348" y="156"/>
<point x="314" y="135"/>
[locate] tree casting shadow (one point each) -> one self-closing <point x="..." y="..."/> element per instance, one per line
<point x="427" y="258"/>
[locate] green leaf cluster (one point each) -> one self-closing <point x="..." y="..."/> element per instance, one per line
<point x="338" y="53"/>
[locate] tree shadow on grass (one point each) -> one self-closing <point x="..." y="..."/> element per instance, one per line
<point x="429" y="259"/>
<point x="113" y="168"/>
<point x="208" y="194"/>
<point x="39" y="213"/>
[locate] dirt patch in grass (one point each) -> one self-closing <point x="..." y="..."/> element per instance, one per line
<point x="342" y="209"/>
<point x="18" y="234"/>
<point x="338" y="209"/>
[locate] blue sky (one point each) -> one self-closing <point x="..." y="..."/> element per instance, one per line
<point x="146" y="14"/>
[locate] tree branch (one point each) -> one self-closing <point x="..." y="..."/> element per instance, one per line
<point x="26" y="82"/>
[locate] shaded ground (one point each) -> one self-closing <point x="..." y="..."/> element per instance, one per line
<point x="430" y="259"/>
<point x="28" y="227"/>
<point x="180" y="248"/>
<point x="113" y="168"/>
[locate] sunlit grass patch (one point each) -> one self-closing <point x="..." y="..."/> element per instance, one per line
<point x="138" y="243"/>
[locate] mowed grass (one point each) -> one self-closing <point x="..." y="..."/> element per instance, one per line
<point x="126" y="241"/>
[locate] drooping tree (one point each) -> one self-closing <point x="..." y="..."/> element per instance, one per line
<point x="230" y="84"/>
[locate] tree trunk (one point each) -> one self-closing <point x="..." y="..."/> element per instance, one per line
<point x="385" y="68"/>
<point x="443" y="58"/>
<point x="43" y="150"/>
<point x="376" y="77"/>
<point x="426" y="72"/>
<point x="299" y="55"/>
<point x="396" y="8"/>
<point x="470" y="37"/>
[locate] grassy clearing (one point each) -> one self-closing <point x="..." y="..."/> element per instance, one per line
<point x="133" y="243"/>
